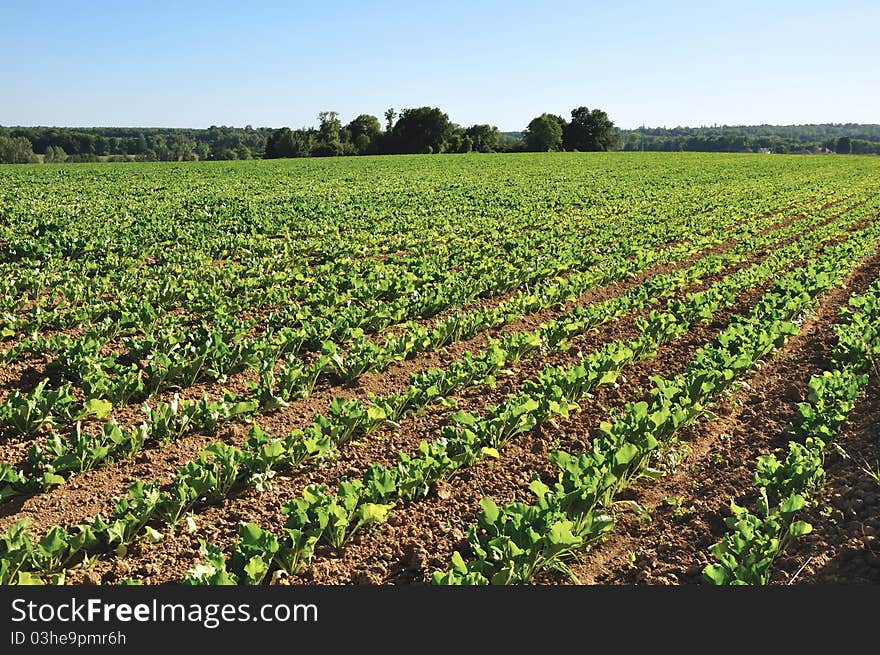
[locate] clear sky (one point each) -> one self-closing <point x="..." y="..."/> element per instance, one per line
<point x="192" y="63"/>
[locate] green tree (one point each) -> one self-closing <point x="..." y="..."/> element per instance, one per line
<point x="844" y="146"/>
<point x="277" y="142"/>
<point x="16" y="150"/>
<point x="328" y="143"/>
<point x="54" y="154"/>
<point x="421" y="130"/>
<point x="285" y="142"/>
<point x="509" y="143"/>
<point x="365" y="132"/>
<point x="589" y="131"/>
<point x="390" y="115"/>
<point x="544" y="133"/>
<point x="139" y="147"/>
<point x="484" y="138"/>
<point x="456" y="142"/>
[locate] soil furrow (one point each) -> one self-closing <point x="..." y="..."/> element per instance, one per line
<point x="672" y="547"/>
<point x="843" y="547"/>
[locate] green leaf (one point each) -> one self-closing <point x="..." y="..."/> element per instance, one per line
<point x="95" y="406"/>
<point x="51" y="479"/>
<point x="561" y="534"/>
<point x="490" y="510"/>
<point x="799" y="528"/>
<point x="245" y="407"/>
<point x="458" y="563"/>
<point x="273" y="450"/>
<point x="486" y="451"/>
<point x="538" y="488"/>
<point x="54" y="541"/>
<point x="625" y="454"/>
<point x="792" y="504"/>
<point x="29" y="579"/>
<point x="256" y="569"/>
<point x="153" y="535"/>
<point x="374" y="512"/>
<point x="716" y="574"/>
<point x="464" y="418"/>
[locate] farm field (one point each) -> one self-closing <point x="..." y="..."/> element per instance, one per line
<point x="562" y="368"/>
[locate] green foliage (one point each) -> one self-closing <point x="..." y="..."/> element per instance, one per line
<point x="294" y="289"/>
<point x="589" y="131"/>
<point x="544" y="133"/>
<point x="16" y="150"/>
<point x="421" y="130"/>
<point x="746" y="553"/>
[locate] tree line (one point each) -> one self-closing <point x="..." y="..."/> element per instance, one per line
<point x="84" y="144"/>
<point x="428" y="130"/>
<point x="841" y="138"/>
<point x="420" y="130"/>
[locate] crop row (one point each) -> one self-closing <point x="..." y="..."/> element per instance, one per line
<point x="755" y="540"/>
<point x="58" y="457"/>
<point x="181" y="355"/>
<point x="104" y="241"/>
<point x="221" y="467"/>
<point x="322" y="517"/>
<point x="514" y="543"/>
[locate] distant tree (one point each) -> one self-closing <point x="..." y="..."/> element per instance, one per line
<point x="285" y="142"/>
<point x="509" y="143"/>
<point x="202" y="151"/>
<point x="102" y="145"/>
<point x="589" y="131"/>
<point x="140" y="145"/>
<point x="16" y="150"/>
<point x="224" y="154"/>
<point x="276" y="142"/>
<point x="365" y="132"/>
<point x="302" y="142"/>
<point x="844" y="146"/>
<point x="390" y="115"/>
<point x="483" y="138"/>
<point x="455" y="142"/>
<point x="544" y="133"/>
<point x="328" y="143"/>
<point x="54" y="154"/>
<point x="421" y="130"/>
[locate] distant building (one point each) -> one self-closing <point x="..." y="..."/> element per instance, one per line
<point x="764" y="151"/>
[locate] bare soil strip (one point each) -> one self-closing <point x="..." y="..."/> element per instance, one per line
<point x="168" y="560"/>
<point x="843" y="547"/>
<point x="87" y="494"/>
<point x="673" y="546"/>
<point x="24" y="374"/>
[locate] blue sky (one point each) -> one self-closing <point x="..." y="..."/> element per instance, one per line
<point x="268" y="63"/>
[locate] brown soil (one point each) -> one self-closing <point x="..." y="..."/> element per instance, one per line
<point x="111" y="480"/>
<point x="843" y="546"/>
<point x="169" y="559"/>
<point x="416" y="540"/>
<point x="673" y="546"/>
<point x="87" y="494"/>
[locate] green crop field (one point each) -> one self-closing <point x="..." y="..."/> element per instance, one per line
<point x="614" y="368"/>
